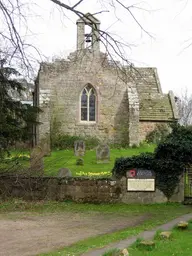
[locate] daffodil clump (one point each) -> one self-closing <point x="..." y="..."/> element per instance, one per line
<point x="18" y="157"/>
<point x="93" y="174"/>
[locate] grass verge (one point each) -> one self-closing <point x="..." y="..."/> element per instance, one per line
<point x="179" y="244"/>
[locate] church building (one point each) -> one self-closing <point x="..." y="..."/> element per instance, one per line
<point x="88" y="95"/>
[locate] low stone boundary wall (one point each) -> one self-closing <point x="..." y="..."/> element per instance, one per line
<point x="79" y="190"/>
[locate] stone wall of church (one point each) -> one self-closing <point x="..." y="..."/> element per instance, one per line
<point x="117" y="112"/>
<point x="65" y="81"/>
<point x="120" y="95"/>
<point x="146" y="127"/>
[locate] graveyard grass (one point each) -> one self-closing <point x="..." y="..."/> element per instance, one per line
<point x="65" y="158"/>
<point x="179" y="244"/>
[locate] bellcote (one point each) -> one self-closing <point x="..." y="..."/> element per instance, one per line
<point x="88" y="36"/>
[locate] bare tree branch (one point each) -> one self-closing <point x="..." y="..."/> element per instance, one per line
<point x="12" y="13"/>
<point x="115" y="45"/>
<point x="79" y="2"/>
<point x="132" y="15"/>
<point x="184" y="103"/>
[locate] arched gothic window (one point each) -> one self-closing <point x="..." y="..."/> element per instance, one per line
<point x="88" y="104"/>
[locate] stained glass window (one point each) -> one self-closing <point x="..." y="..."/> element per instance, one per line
<point x="88" y="104"/>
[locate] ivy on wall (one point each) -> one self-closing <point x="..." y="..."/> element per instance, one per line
<point x="168" y="161"/>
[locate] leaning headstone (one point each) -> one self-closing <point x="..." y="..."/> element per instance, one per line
<point x="64" y="172"/>
<point x="79" y="148"/>
<point x="36" y="160"/>
<point x="103" y="153"/>
<point x="45" y="146"/>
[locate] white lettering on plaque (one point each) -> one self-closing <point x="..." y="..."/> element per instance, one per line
<point x="140" y="184"/>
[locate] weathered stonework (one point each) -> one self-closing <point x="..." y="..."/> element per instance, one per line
<point x="121" y="102"/>
<point x="133" y="126"/>
<point x="81" y="190"/>
<point x="145" y="128"/>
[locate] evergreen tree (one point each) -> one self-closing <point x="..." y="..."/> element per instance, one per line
<point x="16" y="119"/>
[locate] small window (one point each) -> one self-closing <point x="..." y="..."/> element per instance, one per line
<point x="88" y="104"/>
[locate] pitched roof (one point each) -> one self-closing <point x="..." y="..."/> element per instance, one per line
<point x="154" y="105"/>
<point x="157" y="107"/>
<point x="88" y="18"/>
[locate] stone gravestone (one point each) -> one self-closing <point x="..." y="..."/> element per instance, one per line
<point x="79" y="148"/>
<point x="36" y="160"/>
<point x="103" y="153"/>
<point x="64" y="172"/>
<point x="45" y="146"/>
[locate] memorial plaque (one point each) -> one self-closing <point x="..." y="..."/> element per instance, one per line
<point x="140" y="180"/>
<point x="141" y="185"/>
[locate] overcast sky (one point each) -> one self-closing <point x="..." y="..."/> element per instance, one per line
<point x="169" y="22"/>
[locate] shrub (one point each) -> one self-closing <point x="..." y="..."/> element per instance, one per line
<point x="177" y="146"/>
<point x="168" y="161"/>
<point x="60" y="140"/>
<point x="80" y="161"/>
<point x="64" y="141"/>
<point x="167" y="171"/>
<point x="91" y="142"/>
<point x="144" y="160"/>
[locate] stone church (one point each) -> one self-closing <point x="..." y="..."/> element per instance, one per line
<point x="88" y="95"/>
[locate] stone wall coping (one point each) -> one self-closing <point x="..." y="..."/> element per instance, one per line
<point x="57" y="178"/>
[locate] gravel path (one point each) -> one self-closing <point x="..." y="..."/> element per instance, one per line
<point x="24" y="234"/>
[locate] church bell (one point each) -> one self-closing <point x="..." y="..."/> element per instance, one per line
<point x="88" y="38"/>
